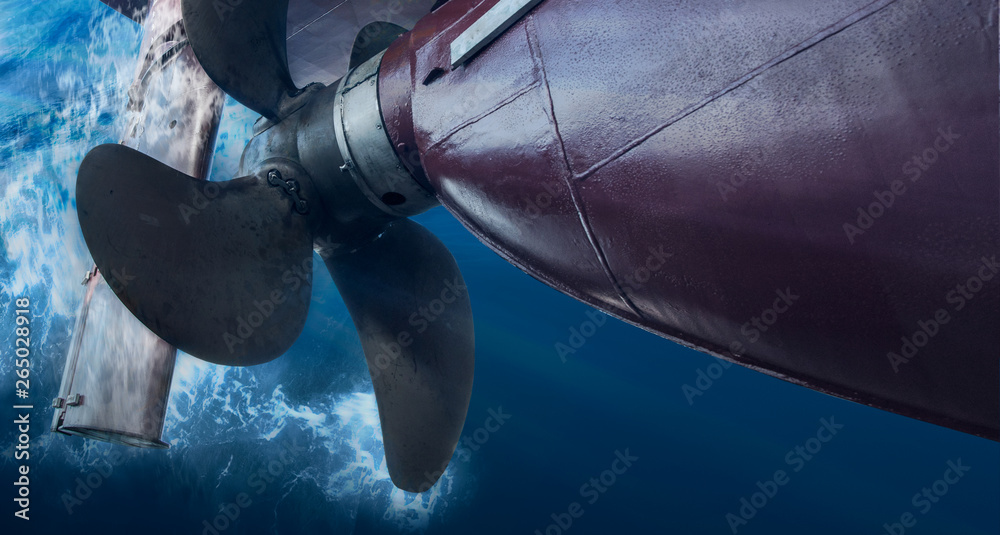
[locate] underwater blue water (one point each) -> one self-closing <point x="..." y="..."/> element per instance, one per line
<point x="65" y="66"/>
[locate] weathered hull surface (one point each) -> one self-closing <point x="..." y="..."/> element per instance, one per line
<point x="809" y="189"/>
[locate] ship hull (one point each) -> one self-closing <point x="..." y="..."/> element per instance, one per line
<point x="808" y="189"/>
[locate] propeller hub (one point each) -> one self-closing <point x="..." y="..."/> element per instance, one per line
<point x="352" y="183"/>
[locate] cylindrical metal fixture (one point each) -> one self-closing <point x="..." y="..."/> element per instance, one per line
<point x="116" y="383"/>
<point x="366" y="148"/>
<point x="117" y="378"/>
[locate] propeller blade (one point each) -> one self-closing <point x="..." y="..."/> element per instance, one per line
<point x="221" y="270"/>
<point x="241" y="45"/>
<point x="408" y="301"/>
<point x="372" y="39"/>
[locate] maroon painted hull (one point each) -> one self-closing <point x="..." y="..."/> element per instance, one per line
<point x="809" y="189"/>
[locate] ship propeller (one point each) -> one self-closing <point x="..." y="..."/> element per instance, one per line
<point x="223" y="270"/>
